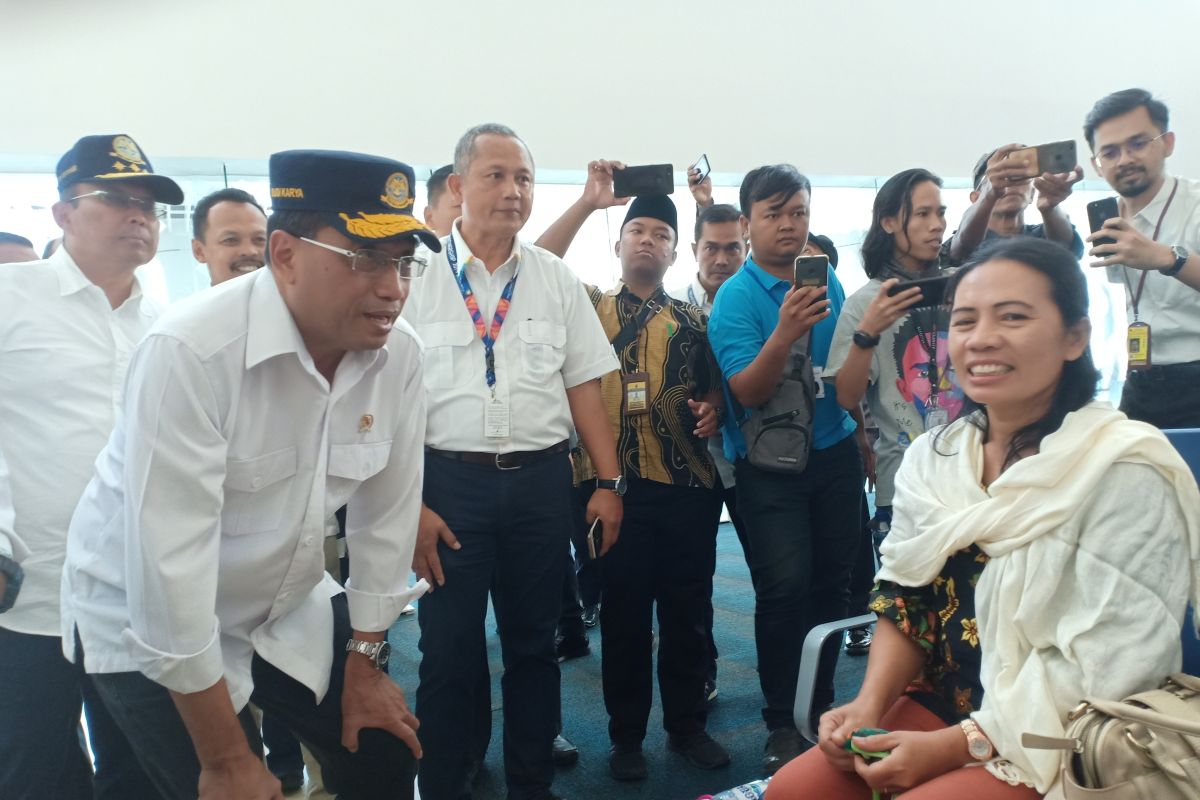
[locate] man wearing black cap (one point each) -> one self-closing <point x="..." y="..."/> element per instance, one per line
<point x="662" y="407"/>
<point x="68" y="325"/>
<point x="196" y="578"/>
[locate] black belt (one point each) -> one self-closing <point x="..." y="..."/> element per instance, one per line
<point x="502" y="460"/>
<point x="1162" y="372"/>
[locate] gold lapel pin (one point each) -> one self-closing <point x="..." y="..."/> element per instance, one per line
<point x="365" y="422"/>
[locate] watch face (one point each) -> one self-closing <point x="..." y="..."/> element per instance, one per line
<point x="381" y="658"/>
<point x="979" y="748"/>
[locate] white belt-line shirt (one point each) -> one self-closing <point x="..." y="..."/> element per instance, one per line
<point x="551" y="341"/>
<point x="200" y="541"/>
<point x="1171" y="307"/>
<point x="11" y="545"/>
<point x="64" y="351"/>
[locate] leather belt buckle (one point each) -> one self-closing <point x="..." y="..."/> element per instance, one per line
<point x="500" y="462"/>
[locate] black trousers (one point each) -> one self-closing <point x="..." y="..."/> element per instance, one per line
<point x="383" y="766"/>
<point x="804" y="531"/>
<point x="1166" y="397"/>
<point x="665" y="557"/>
<point x="513" y="527"/>
<point x="42" y="751"/>
<point x="728" y="496"/>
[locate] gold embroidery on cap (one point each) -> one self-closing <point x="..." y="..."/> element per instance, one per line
<point x="366" y="422"/>
<point x="380" y="226"/>
<point x="124" y="148"/>
<point x="395" y="192"/>
<point x="284" y="191"/>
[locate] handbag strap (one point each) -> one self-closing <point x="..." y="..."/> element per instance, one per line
<point x="630" y="330"/>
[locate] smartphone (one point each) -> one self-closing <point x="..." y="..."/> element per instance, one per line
<point x="1054" y="158"/>
<point x="1098" y="212"/>
<point x="595" y="539"/>
<point x="702" y="165"/>
<point x="652" y="179"/>
<point x="811" y="271"/>
<point x="933" y="290"/>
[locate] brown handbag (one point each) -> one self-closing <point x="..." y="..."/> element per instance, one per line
<point x="1146" y="747"/>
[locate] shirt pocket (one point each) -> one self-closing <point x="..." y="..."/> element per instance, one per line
<point x="447" y="353"/>
<point x="256" y="492"/>
<point x="542" y="348"/>
<point x="349" y="466"/>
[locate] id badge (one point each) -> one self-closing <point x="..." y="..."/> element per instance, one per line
<point x="636" y="386"/>
<point x="935" y="415"/>
<point x="1138" y="344"/>
<point x="496" y="420"/>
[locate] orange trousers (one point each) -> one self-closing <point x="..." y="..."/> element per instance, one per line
<point x="812" y="776"/>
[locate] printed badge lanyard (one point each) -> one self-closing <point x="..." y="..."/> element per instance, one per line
<point x="936" y="415"/>
<point x="1139" y="331"/>
<point x="496" y="418"/>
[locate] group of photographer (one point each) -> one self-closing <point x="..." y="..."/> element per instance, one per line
<point x="477" y="413"/>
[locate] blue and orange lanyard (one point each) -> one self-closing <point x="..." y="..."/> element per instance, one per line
<point x="488" y="337"/>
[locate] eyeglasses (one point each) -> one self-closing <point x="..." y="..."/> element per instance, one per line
<point x="376" y="262"/>
<point x="126" y="202"/>
<point x="1111" y="153"/>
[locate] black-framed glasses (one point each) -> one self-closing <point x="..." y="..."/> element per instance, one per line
<point x="1111" y="153"/>
<point x="376" y="262"/>
<point x="126" y="202"/>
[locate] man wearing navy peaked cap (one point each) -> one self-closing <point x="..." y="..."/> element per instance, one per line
<point x="196" y="579"/>
<point x="68" y="325"/>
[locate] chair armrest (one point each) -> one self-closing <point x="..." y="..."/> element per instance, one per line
<point x="810" y="659"/>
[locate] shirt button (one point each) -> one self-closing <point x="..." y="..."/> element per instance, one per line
<point x="308" y="542"/>
<point x="257" y="482"/>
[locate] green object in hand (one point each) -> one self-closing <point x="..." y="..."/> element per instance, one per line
<point x="868" y="755"/>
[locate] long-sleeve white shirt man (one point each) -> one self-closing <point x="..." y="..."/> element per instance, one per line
<point x="200" y="539"/>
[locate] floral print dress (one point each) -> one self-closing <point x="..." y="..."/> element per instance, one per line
<point x="940" y="618"/>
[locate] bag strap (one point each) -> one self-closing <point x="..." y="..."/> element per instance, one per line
<point x="1148" y="717"/>
<point x="630" y="330"/>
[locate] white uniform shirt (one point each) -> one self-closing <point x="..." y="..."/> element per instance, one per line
<point x="697" y="295"/>
<point x="63" y="355"/>
<point x="1171" y="307"/>
<point x="11" y="545"/>
<point x="200" y="540"/>
<point x="551" y="341"/>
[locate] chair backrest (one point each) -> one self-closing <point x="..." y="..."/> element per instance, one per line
<point x="1187" y="442"/>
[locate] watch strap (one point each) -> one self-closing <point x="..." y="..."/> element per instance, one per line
<point x="1181" y="257"/>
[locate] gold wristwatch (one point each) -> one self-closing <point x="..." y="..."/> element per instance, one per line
<point x="978" y="745"/>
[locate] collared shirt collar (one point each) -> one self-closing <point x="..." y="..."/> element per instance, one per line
<point x="698" y="295"/>
<point x="764" y="278"/>
<point x="1153" y="209"/>
<point x="271" y="329"/>
<point x="71" y="278"/>
<point x="465" y="256"/>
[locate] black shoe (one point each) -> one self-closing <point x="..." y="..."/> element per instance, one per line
<point x="291" y="781"/>
<point x="565" y="753"/>
<point x="573" y="647"/>
<point x="627" y="765"/>
<point x="858" y="641"/>
<point x="701" y="751"/>
<point x="783" y="744"/>
<point x="591" y="615"/>
<point x="710" y="690"/>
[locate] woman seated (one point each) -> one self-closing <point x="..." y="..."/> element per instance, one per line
<point x="1043" y="550"/>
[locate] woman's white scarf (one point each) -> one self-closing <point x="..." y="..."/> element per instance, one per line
<point x="941" y="507"/>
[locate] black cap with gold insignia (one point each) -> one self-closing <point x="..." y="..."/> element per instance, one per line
<point x="367" y="198"/>
<point x="114" y="157"/>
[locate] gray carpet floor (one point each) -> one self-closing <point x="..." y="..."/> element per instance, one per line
<point x="734" y="718"/>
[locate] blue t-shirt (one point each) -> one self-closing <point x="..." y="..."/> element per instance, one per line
<point x="744" y="314"/>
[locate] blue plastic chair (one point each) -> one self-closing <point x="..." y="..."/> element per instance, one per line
<point x="1187" y="442"/>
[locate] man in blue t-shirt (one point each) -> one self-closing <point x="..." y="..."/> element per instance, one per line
<point x="803" y="530"/>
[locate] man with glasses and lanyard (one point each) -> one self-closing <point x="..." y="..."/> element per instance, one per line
<point x="195" y="573"/>
<point x="1153" y="249"/>
<point x="68" y="325"/>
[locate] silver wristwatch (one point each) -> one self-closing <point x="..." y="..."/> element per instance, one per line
<point x="378" y="652"/>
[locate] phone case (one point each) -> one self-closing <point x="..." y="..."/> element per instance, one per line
<point x="811" y="271"/>
<point x="1098" y="211"/>
<point x="651" y="179"/>
<point x="1056" y="157"/>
